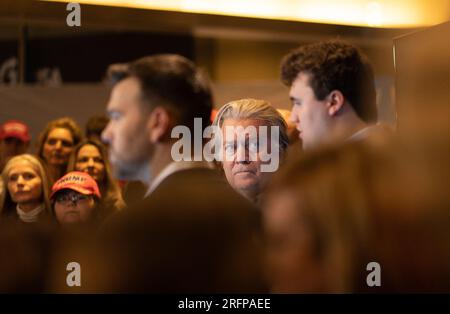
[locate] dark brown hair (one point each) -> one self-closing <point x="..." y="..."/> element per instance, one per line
<point x="95" y="126"/>
<point x="172" y="81"/>
<point x="64" y="123"/>
<point x="109" y="187"/>
<point x="335" y="65"/>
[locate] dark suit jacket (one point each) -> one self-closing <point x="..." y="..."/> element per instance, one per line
<point x="194" y="233"/>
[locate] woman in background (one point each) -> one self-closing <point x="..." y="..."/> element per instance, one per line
<point x="25" y="196"/>
<point x="55" y="144"/>
<point x="75" y="200"/>
<point x="90" y="157"/>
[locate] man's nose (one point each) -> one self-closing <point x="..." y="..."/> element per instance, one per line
<point x="242" y="155"/>
<point x="293" y="117"/>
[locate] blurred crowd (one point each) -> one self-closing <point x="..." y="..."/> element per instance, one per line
<point x="348" y="192"/>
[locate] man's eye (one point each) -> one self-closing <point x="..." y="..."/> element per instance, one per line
<point x="98" y="160"/>
<point x="83" y="159"/>
<point x="296" y="102"/>
<point x="229" y="148"/>
<point x="253" y="147"/>
<point x="114" y="115"/>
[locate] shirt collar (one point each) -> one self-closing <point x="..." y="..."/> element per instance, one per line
<point x="362" y="133"/>
<point x="173" y="167"/>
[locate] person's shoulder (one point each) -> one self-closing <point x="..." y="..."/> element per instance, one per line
<point x="197" y="190"/>
<point x="196" y="177"/>
<point x="113" y="219"/>
<point x="198" y="174"/>
<point x="201" y="187"/>
<point x="370" y="132"/>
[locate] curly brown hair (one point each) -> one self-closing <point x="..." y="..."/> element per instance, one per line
<point x="335" y="65"/>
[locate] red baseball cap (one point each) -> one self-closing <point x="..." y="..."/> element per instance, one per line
<point x="15" y="128"/>
<point x="78" y="181"/>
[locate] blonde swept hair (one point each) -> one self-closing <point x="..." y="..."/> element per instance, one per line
<point x="249" y="108"/>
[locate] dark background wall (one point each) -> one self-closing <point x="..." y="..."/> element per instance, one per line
<point x="241" y="55"/>
<point x="84" y="58"/>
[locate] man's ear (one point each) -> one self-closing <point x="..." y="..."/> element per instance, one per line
<point x="158" y="124"/>
<point x="335" y="102"/>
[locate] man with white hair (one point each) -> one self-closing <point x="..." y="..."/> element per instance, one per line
<point x="254" y="140"/>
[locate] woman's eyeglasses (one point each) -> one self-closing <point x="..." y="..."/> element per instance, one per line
<point x="72" y="198"/>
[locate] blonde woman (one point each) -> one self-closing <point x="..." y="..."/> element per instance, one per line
<point x="25" y="196"/>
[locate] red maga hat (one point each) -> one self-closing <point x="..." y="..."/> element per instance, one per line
<point x="16" y="129"/>
<point x="80" y="182"/>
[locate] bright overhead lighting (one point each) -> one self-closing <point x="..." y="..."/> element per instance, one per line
<point x="379" y="13"/>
